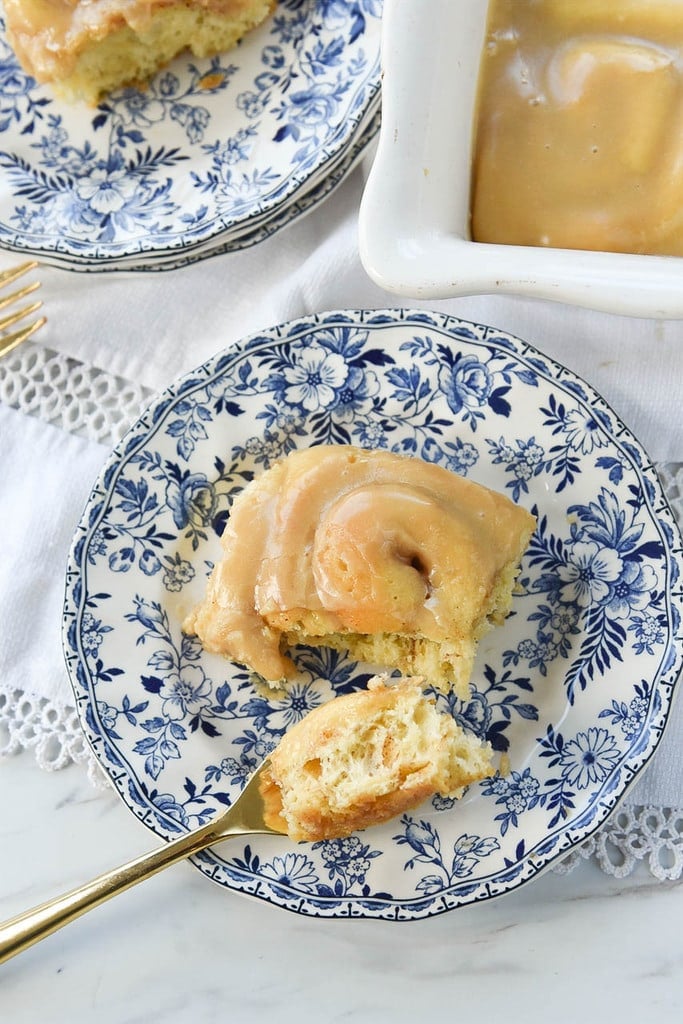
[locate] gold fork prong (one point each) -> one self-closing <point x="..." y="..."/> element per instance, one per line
<point x="21" y="293"/>
<point x="10" y="341"/>
<point x="10" y="275"/>
<point x="14" y="318"/>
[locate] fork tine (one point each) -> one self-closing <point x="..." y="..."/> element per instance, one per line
<point x="10" y="341"/>
<point x="10" y="275"/>
<point x="13" y="318"/>
<point x="19" y="294"/>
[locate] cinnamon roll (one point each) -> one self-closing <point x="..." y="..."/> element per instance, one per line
<point x="398" y="561"/>
<point x="86" y="48"/>
<point x="366" y="757"/>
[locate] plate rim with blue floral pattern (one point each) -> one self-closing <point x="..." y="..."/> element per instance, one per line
<point x="573" y="690"/>
<point x="210" y="147"/>
<point x="259" y="230"/>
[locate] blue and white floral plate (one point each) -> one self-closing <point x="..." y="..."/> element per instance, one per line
<point x="574" y="689"/>
<point x="209" y="153"/>
<point x="262" y="228"/>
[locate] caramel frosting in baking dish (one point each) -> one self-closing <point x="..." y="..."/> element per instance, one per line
<point x="337" y="542"/>
<point x="579" y="126"/>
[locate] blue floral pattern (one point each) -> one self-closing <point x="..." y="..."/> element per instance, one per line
<point x="572" y="691"/>
<point x="210" y="149"/>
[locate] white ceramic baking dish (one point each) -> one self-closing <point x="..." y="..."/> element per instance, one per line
<point x="413" y="231"/>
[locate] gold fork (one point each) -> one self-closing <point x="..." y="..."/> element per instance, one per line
<point x="249" y="815"/>
<point x="7" y="277"/>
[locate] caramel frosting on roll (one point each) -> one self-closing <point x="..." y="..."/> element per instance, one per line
<point x="86" y="48"/>
<point x="47" y="35"/>
<point x="397" y="560"/>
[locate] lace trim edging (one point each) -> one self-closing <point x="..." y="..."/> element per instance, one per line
<point x="635" y="834"/>
<point x="52" y="732"/>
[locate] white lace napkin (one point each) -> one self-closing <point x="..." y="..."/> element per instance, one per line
<point x="112" y="340"/>
<point x="39" y="498"/>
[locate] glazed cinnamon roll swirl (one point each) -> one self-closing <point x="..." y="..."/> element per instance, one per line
<point x="399" y="561"/>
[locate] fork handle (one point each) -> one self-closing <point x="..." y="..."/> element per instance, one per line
<point x="24" y="930"/>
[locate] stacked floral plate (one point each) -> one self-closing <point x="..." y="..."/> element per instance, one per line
<point x="213" y="157"/>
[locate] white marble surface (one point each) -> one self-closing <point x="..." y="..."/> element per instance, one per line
<point x="579" y="947"/>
